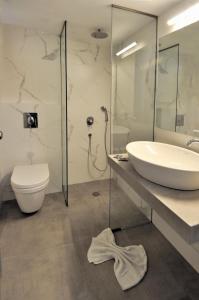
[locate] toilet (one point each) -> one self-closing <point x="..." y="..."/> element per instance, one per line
<point x="29" y="183"/>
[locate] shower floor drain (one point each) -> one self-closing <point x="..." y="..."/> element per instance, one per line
<point x="96" y="194"/>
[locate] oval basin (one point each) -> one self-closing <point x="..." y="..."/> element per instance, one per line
<point x="165" y="164"/>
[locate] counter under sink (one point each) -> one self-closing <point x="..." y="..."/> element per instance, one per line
<point x="179" y="208"/>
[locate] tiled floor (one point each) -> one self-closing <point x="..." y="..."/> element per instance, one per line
<point x="123" y="213"/>
<point x="43" y="256"/>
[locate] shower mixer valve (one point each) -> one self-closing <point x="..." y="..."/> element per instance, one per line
<point x="90" y="121"/>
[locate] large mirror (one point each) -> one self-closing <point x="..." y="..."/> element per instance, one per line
<point x="177" y="102"/>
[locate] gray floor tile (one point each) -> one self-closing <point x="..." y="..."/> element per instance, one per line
<point x="40" y="277"/>
<point x="44" y="255"/>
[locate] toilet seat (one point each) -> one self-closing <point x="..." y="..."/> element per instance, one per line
<point x="30" y="190"/>
<point x="30" y="178"/>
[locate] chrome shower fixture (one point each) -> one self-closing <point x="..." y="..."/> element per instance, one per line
<point x="99" y="34"/>
<point x="104" y="109"/>
<point x="89" y="121"/>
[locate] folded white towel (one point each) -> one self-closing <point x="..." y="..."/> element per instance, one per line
<point x="130" y="262"/>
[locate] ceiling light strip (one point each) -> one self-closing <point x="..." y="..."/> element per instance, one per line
<point x="126" y="48"/>
<point x="188" y="16"/>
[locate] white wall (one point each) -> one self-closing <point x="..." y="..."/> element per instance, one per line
<point x="190" y="252"/>
<point x="89" y="84"/>
<point x="163" y="30"/>
<point x="29" y="83"/>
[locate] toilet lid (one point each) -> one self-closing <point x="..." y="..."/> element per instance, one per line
<point x="30" y="176"/>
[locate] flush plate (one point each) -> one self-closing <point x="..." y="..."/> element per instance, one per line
<point x="30" y="120"/>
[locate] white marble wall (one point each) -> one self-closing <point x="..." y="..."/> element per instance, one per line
<point x="29" y="82"/>
<point x="89" y="85"/>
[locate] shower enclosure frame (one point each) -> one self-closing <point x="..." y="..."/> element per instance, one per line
<point x="155" y="93"/>
<point x="156" y="53"/>
<point x="63" y="34"/>
<point x="177" y="79"/>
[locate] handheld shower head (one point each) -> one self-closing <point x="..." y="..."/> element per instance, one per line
<point x="104" y="109"/>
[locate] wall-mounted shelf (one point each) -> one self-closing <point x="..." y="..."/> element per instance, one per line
<point x="180" y="209"/>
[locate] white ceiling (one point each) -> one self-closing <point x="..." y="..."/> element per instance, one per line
<point x="50" y="14"/>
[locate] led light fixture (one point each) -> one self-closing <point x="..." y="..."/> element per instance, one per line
<point x="185" y="18"/>
<point x="126" y="48"/>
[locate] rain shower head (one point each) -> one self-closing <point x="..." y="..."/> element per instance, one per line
<point x="99" y="34"/>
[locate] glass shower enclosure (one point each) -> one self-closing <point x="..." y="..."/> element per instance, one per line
<point x="63" y="69"/>
<point x="131" y="117"/>
<point x="134" y="53"/>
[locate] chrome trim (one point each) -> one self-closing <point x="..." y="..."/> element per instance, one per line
<point x="191" y="141"/>
<point x="134" y="10"/>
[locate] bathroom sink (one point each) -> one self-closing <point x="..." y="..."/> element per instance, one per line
<point x="165" y="164"/>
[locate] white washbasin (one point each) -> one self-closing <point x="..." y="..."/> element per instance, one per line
<point x="165" y="164"/>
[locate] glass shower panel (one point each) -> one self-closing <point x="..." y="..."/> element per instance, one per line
<point x="64" y="111"/>
<point x="134" y="44"/>
<point x="167" y="92"/>
<point x="88" y="102"/>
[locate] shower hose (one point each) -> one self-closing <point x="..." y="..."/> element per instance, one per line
<point x="93" y="158"/>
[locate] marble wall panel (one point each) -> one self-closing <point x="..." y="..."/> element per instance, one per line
<point x="29" y="82"/>
<point x="89" y="85"/>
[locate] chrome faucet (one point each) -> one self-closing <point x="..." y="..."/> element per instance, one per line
<point x="192" y="141"/>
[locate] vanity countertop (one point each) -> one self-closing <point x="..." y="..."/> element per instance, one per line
<point x="180" y="209"/>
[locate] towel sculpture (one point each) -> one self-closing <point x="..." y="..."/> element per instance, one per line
<point x="130" y="262"/>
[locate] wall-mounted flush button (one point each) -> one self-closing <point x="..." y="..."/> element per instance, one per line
<point x="30" y="120"/>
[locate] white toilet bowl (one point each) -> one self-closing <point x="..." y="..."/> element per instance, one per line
<point x="29" y="184"/>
